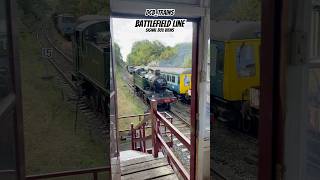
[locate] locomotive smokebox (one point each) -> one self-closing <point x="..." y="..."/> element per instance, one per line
<point x="158" y="84"/>
<point x="157" y="72"/>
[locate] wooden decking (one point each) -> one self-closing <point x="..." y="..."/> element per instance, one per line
<point x="140" y="166"/>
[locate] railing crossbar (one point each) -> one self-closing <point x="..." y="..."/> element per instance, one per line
<point x="183" y="139"/>
<point x="133" y="116"/>
<point x="93" y="171"/>
<point x="174" y="159"/>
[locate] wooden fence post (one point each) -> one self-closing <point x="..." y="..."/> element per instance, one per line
<point x="132" y="137"/>
<point x="153" y="109"/>
<point x="144" y="137"/>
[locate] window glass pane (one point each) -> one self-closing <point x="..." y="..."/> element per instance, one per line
<point x="245" y="61"/>
<point x="111" y="76"/>
<point x="7" y="150"/>
<point x="235" y="28"/>
<point x="214" y="53"/>
<point x="186" y="80"/>
<point x="217" y="56"/>
<point x="312" y="158"/>
<point x="113" y="138"/>
<point x="315" y="30"/>
<point x="5" y="84"/>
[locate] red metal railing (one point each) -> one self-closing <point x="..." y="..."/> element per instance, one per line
<point x="93" y="171"/>
<point x="158" y="142"/>
<point x="139" y="135"/>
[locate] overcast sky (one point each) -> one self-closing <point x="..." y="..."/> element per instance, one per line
<point x="125" y="34"/>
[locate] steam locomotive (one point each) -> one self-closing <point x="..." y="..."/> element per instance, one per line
<point x="149" y="84"/>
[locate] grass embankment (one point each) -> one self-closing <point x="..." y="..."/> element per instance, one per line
<point x="50" y="142"/>
<point x="128" y="103"/>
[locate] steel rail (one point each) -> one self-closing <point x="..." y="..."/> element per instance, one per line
<point x="219" y="175"/>
<point x="57" y="49"/>
<point x="181" y="118"/>
<point x="55" y="65"/>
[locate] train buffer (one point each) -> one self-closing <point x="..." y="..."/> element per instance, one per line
<point x="138" y="165"/>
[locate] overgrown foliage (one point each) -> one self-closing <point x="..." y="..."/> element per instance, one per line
<point x="118" y="55"/>
<point x="41" y="9"/>
<point x="34" y="10"/>
<point x="82" y="7"/>
<point x="144" y="52"/>
<point x="187" y="62"/>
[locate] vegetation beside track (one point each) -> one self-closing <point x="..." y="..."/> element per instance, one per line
<point x="128" y="103"/>
<point x="50" y="141"/>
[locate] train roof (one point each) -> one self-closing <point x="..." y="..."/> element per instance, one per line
<point x="233" y="30"/>
<point x="172" y="70"/>
<point x="65" y="15"/>
<point x="84" y="25"/>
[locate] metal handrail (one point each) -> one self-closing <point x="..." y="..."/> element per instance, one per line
<point x="93" y="171"/>
<point x="174" y="159"/>
<point x="141" y="138"/>
<point x="138" y="132"/>
<point x="141" y="127"/>
<point x="158" y="142"/>
<point x="181" y="137"/>
<point x="132" y="116"/>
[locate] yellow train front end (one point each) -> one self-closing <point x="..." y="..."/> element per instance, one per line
<point x="185" y="85"/>
<point x="235" y="74"/>
<point x="241" y="69"/>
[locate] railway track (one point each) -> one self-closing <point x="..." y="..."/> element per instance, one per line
<point x="63" y="64"/>
<point x="218" y="176"/>
<point x="234" y="155"/>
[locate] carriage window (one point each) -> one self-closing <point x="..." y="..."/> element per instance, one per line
<point x="218" y="56"/>
<point x="245" y="61"/>
<point x="173" y="79"/>
<point x="5" y="85"/>
<point x="186" y="80"/>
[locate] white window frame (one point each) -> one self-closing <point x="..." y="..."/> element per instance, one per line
<point x="297" y="118"/>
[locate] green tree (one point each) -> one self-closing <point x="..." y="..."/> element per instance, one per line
<point x="118" y="55"/>
<point x="187" y="62"/>
<point x="83" y="7"/>
<point x="144" y="52"/>
<point x="67" y="6"/>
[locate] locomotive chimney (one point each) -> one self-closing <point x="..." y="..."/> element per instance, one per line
<point x="157" y="72"/>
